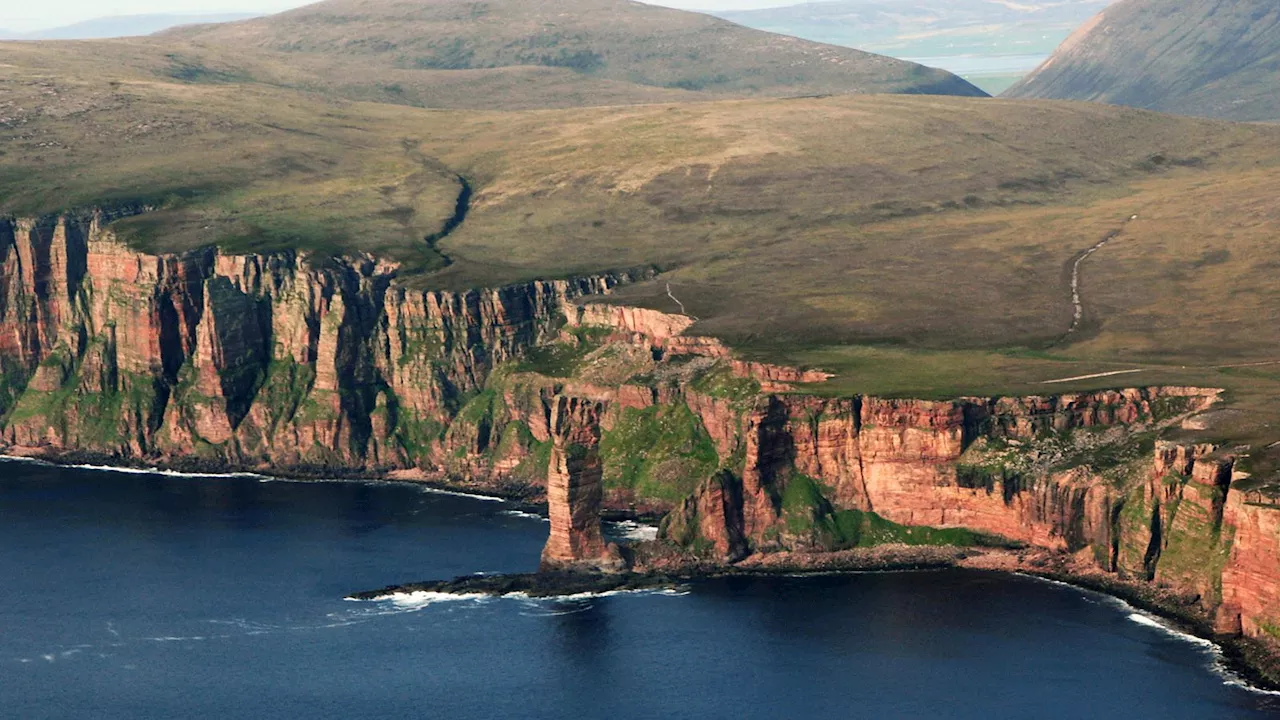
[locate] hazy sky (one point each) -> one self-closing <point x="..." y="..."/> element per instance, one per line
<point x="23" y="15"/>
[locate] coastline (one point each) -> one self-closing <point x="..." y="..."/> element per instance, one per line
<point x="1251" y="663"/>
<point x="522" y="497"/>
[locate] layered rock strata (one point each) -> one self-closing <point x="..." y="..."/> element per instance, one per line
<point x="279" y="361"/>
<point x="574" y="491"/>
<point x="294" y="364"/>
<point x="1080" y="474"/>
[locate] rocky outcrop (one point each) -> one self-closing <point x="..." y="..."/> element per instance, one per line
<point x="901" y="459"/>
<point x="714" y="517"/>
<point x="1250" y="592"/>
<point x="297" y="364"/>
<point x="665" y="334"/>
<point x="574" y="491"/>
<point x="280" y="361"/>
<point x="1166" y="514"/>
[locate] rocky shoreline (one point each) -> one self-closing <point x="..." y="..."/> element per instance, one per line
<point x="287" y="364"/>
<point x="524" y="497"/>
<point x="1254" y="661"/>
<point x="534" y="585"/>
<point x="658" y="565"/>
<point x="520" y="496"/>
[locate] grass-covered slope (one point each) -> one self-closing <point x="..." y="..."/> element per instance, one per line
<point x="239" y="164"/>
<point x="917" y="246"/>
<point x="1213" y="58"/>
<point x="606" y="45"/>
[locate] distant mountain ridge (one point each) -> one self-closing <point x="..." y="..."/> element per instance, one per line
<point x="1211" y="58"/>
<point x="610" y="41"/>
<point x="123" y="26"/>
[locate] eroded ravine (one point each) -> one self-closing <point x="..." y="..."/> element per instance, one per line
<point x="462" y="206"/>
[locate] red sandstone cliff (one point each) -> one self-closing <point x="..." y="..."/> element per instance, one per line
<point x="266" y="361"/>
<point x="1250" y="592"/>
<point x="574" y="490"/>
<point x="278" y="362"/>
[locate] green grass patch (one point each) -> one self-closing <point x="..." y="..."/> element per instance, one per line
<point x="418" y="437"/>
<point x="1111" y="458"/>
<point x="91" y="420"/>
<point x="1196" y="549"/>
<point x="286" y="388"/>
<point x="480" y="408"/>
<point x="535" y="466"/>
<point x="13" y="381"/>
<point x="660" y="453"/>
<point x="807" y="513"/>
<point x="720" y="382"/>
<point x="554" y="360"/>
<point x="855" y="528"/>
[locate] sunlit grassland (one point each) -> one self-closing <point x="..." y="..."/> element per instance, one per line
<point x="914" y="246"/>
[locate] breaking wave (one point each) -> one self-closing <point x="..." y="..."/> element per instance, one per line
<point x="523" y="514"/>
<point x="458" y="493"/>
<point x="632" y="530"/>
<point x="131" y="470"/>
<point x="1217" y="659"/>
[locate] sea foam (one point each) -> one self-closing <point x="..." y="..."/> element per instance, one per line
<point x="457" y="493"/>
<point x="1217" y="659"/>
<point x="523" y="514"/>
<point x="632" y="530"/>
<point x="129" y="470"/>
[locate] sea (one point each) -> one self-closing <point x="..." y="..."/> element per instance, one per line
<point x="152" y="595"/>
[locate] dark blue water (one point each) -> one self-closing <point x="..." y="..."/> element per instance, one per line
<point x="142" y="596"/>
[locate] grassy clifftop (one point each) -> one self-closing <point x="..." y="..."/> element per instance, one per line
<point x="914" y="245"/>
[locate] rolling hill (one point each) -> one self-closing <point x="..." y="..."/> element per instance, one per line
<point x="122" y="26"/>
<point x="1211" y="58"/>
<point x="609" y="44"/>
<point x="793" y="226"/>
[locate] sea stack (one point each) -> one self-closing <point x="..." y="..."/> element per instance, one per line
<point x="574" y="491"/>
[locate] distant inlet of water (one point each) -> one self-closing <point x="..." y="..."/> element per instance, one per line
<point x="971" y="65"/>
<point x="140" y="595"/>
